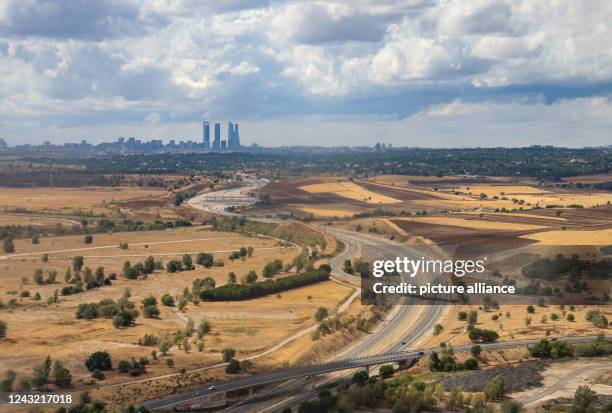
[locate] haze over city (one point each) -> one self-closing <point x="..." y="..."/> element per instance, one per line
<point x="411" y="73"/>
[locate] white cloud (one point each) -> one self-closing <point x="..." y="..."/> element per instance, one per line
<point x="244" y="59"/>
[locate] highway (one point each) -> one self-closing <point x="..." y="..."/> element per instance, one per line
<point x="394" y="334"/>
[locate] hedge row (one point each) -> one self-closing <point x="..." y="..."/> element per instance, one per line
<point x="236" y="292"/>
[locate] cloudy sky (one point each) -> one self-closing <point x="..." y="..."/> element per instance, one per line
<point x="414" y="72"/>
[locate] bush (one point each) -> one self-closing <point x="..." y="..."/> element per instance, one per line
<point x="124" y="366"/>
<point x="167" y="300"/>
<point x="88" y="239"/>
<point x="97" y="374"/>
<point x="471" y="364"/>
<point x="2" y="329"/>
<point x="530" y="309"/>
<point x="205" y="259"/>
<point x="485" y="336"/>
<point x="235" y="292"/>
<point x="462" y="316"/>
<point x="321" y="314"/>
<point x="571" y="317"/>
<point x="550" y="349"/>
<point x="495" y="389"/>
<point x="386" y="370"/>
<point x="233" y="367"/>
<point x="150" y="311"/>
<point x="228" y="354"/>
<point x="511" y="406"/>
<point x="272" y="268"/>
<point x="100" y="360"/>
<point x="476" y="350"/>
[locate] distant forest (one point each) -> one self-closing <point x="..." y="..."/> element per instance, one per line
<point x="539" y="162"/>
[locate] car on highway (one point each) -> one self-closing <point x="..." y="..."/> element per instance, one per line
<point x="212" y="387"/>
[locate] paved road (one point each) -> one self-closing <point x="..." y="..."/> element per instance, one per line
<point x="395" y="334"/>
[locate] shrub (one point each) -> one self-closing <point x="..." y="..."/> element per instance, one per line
<point x="228" y="354"/>
<point x="386" y="370"/>
<point x="321" y="314"/>
<point x="88" y="239"/>
<point x="485" y="336"/>
<point x="550" y="349"/>
<point x="167" y="300"/>
<point x="233" y="367"/>
<point x="471" y="364"/>
<point x="100" y="360"/>
<point x="150" y="311"/>
<point x="476" y="350"/>
<point x="2" y="329"/>
<point x="462" y="316"/>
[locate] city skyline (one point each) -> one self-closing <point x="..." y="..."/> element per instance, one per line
<point x="412" y="73"/>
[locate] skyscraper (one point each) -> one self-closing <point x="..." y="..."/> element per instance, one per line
<point x="206" y="134"/>
<point x="230" y="135"/>
<point x="217" y="141"/>
<point x="236" y="137"/>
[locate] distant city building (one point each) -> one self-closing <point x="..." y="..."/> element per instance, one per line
<point x="233" y="136"/>
<point x="3" y="144"/>
<point x="217" y="141"/>
<point x="206" y="134"/>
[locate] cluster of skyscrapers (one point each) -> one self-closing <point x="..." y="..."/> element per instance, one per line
<point x="233" y="136"/>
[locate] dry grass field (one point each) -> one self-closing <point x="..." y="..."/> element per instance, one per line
<point x="472" y="223"/>
<point x="36" y="329"/>
<point x="573" y="237"/>
<point x="513" y="326"/>
<point x="350" y="190"/>
<point x="68" y="200"/>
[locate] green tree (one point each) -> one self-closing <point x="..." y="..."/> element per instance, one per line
<point x="77" y="263"/>
<point x="2" y="329"/>
<point x="41" y="373"/>
<point x="495" y="389"/>
<point x="150" y="311"/>
<point x="8" y="245"/>
<point x="233" y="367"/>
<point x="386" y="370"/>
<point x="228" y="353"/>
<point x="100" y="360"/>
<point x="321" y="314"/>
<point x="231" y="278"/>
<point x="203" y="328"/>
<point x="6" y="385"/>
<point x="61" y="375"/>
<point x="472" y="318"/>
<point x="167" y="300"/>
<point x="511" y="406"/>
<point x="187" y="262"/>
<point x="164" y="346"/>
<point x="584" y="400"/>
<point x="476" y="350"/>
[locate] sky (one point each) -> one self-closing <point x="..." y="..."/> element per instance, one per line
<point x="426" y="73"/>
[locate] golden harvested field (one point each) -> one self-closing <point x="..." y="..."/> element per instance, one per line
<point x="67" y="200"/>
<point x="349" y="190"/>
<point x="473" y="223"/>
<point x="327" y="211"/>
<point x="501" y="190"/>
<point x="36" y="329"/>
<point x="573" y="237"/>
<point x="514" y="327"/>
